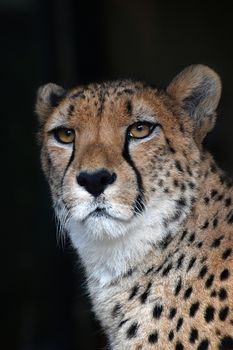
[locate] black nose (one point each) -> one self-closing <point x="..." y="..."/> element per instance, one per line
<point x="95" y="183"/>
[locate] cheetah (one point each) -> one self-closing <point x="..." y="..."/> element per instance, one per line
<point x="145" y="206"/>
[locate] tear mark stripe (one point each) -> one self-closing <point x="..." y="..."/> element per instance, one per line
<point x="68" y="165"/>
<point x="139" y="202"/>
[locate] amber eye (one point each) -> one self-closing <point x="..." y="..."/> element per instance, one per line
<point x="64" y="135"/>
<point x="140" y="130"/>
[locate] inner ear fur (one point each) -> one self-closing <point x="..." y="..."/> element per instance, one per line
<point x="48" y="97"/>
<point x="197" y="89"/>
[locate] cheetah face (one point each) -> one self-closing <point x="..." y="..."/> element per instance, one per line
<point x="120" y="156"/>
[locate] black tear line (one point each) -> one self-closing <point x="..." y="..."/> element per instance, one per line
<point x="139" y="205"/>
<point x="68" y="165"/>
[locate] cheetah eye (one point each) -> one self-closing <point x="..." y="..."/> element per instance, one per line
<point x="140" y="130"/>
<point x="64" y="135"/>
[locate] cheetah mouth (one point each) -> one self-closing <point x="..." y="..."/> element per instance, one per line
<point x="98" y="213"/>
<point x="102" y="213"/>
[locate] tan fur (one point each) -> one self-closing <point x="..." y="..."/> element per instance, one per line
<point x="152" y="304"/>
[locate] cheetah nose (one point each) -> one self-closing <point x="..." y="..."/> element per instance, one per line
<point x="96" y="182"/>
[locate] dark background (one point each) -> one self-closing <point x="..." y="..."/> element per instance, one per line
<point x="44" y="303"/>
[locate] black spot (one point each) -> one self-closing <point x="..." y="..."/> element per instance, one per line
<point x="205" y="225"/>
<point x="194" y="308"/>
<point x="161" y="183"/>
<point x="222" y="294"/>
<point x="213" y="193"/>
<point x="132" y="330"/>
<point x="224" y="274"/>
<point x="191" y="263"/>
<point x="129" y="107"/>
<point x="203" y="271"/>
<point x="164" y="244"/>
<point x="134" y="291"/>
<point x="184" y="233"/>
<point x="206" y="200"/>
<point x="172" y="313"/>
<point x="203" y="259"/>
<point x="189" y="171"/>
<point x="182" y="187"/>
<point x="123" y="322"/>
<point x="78" y="94"/>
<point x="179" y="346"/>
<point x="215" y="223"/>
<point x="204" y="344"/>
<point x="199" y="244"/>
<point x="116" y="310"/>
<point x="178" y="287"/>
<point x="213" y="168"/>
<point x="226" y="253"/>
<point x="223" y="313"/>
<point x="180" y="261"/>
<point x="193" y="200"/>
<point x="70" y="109"/>
<point x="193" y="335"/>
<point x="226" y="180"/>
<point x="181" y="202"/>
<point x="188" y="292"/>
<point x="178" y="166"/>
<point x="167" y="269"/>
<point x="192" y="238"/>
<point x="227" y="202"/>
<point x="153" y="338"/>
<point x="179" y="323"/>
<point x="209" y="313"/>
<point x="149" y="270"/>
<point x="176" y="183"/>
<point x="161" y="265"/>
<point x="171" y="335"/>
<point x="219" y="197"/>
<point x="216" y="243"/>
<point x="226" y="343"/>
<point x="191" y="185"/>
<point x="128" y="91"/>
<point x="213" y="293"/>
<point x="230" y="220"/>
<point x="209" y="281"/>
<point x="129" y="273"/>
<point x="158" y="309"/>
<point x="171" y="149"/>
<point x="145" y="294"/>
<point x="229" y="214"/>
<point x="159" y="268"/>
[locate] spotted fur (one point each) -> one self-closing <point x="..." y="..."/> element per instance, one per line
<point x="156" y="243"/>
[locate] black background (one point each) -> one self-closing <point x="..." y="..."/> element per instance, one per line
<point x="44" y="302"/>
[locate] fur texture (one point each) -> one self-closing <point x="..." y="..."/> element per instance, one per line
<point x="156" y="242"/>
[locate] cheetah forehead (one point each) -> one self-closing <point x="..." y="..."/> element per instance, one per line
<point x="118" y="101"/>
<point x="192" y="98"/>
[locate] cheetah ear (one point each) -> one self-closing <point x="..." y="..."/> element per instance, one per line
<point x="197" y="89"/>
<point x="48" y="97"/>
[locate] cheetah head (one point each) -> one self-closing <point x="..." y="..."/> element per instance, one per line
<point x="123" y="159"/>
